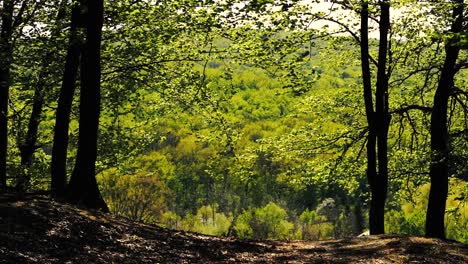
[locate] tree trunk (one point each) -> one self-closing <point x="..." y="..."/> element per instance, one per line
<point x="439" y="133"/>
<point x="382" y="121"/>
<point x="83" y="188"/>
<point x="62" y="117"/>
<point x="28" y="146"/>
<point x="370" y="114"/>
<point x="6" y="50"/>
<point x="358" y="219"/>
<point x="378" y="121"/>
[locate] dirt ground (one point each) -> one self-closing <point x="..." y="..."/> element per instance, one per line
<point x="35" y="229"/>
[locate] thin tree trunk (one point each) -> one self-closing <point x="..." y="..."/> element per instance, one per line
<point x="439" y="134"/>
<point x="378" y="121"/>
<point x="83" y="188"/>
<point x="28" y="146"/>
<point x="382" y="121"/>
<point x="6" y="50"/>
<point x="371" y="172"/>
<point x="62" y="117"/>
<point x="359" y="221"/>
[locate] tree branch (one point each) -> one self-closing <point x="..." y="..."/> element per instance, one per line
<point x="406" y="109"/>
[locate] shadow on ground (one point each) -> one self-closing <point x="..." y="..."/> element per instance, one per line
<point x="34" y="229"/>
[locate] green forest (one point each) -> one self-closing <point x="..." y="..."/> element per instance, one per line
<point x="256" y="119"/>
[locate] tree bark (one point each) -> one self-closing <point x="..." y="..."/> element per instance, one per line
<point x="62" y="116"/>
<point x="6" y="56"/>
<point x="440" y="148"/>
<point x="83" y="188"/>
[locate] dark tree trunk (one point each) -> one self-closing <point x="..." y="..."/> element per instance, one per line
<point x="439" y="134"/>
<point x="62" y="117"/>
<point x="382" y="121"/>
<point x="6" y="50"/>
<point x="28" y="146"/>
<point x="359" y="221"/>
<point x="370" y="114"/>
<point x="378" y="120"/>
<point x="83" y="188"/>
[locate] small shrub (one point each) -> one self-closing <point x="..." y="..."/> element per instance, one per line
<point x="269" y="222"/>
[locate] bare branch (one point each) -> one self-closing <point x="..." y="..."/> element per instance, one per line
<point x="406" y="109"/>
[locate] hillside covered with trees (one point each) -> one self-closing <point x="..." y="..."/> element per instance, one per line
<point x="258" y="119"/>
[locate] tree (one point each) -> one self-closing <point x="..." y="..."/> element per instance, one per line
<point x="42" y="86"/>
<point x="379" y="123"/>
<point x="6" y="49"/>
<point x="378" y="117"/>
<point x="440" y="148"/>
<point x="83" y="188"/>
<point x="62" y="118"/>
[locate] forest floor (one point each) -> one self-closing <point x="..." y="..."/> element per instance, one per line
<point x="35" y="229"/>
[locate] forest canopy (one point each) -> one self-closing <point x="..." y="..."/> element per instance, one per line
<point x="255" y="119"/>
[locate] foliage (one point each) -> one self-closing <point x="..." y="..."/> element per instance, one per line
<point x="410" y="217"/>
<point x="140" y="197"/>
<point x="314" y="226"/>
<point x="268" y="222"/>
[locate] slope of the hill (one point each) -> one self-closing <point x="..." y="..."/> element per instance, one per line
<point x="37" y="230"/>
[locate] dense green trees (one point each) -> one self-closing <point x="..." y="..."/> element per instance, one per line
<point x="239" y="118"/>
<point x="42" y="87"/>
